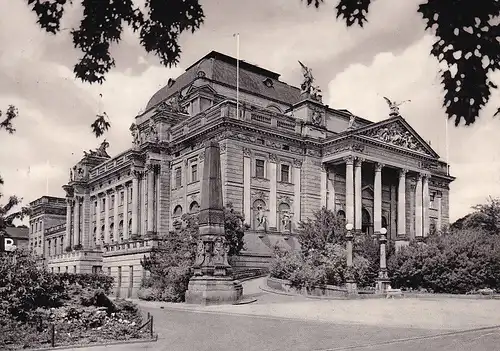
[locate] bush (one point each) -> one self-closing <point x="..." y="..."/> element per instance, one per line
<point x="317" y="268"/>
<point x="459" y="262"/>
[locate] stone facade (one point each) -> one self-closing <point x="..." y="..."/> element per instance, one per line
<point x="284" y="155"/>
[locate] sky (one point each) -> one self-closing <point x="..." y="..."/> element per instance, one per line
<point x="354" y="67"/>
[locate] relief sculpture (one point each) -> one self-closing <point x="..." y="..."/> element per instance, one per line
<point x="396" y="135"/>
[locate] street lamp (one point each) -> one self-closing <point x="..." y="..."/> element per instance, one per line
<point x="350" y="283"/>
<point x="383" y="279"/>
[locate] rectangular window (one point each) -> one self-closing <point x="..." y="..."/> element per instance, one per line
<point x="122" y="197"/>
<point x="259" y="168"/>
<point x="95" y="207"/>
<point x="109" y="270"/>
<point x="285" y="173"/>
<point x="194" y="173"/>
<point x="112" y="202"/>
<point x="58" y="269"/>
<point x="74" y="269"/>
<point x="130" y="195"/>
<point x="103" y="207"/>
<point x="178" y="177"/>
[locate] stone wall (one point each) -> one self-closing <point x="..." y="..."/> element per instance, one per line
<point x="232" y="159"/>
<point x="164" y="198"/>
<point x="310" y="187"/>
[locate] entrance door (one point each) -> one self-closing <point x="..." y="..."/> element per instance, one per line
<point x="366" y="222"/>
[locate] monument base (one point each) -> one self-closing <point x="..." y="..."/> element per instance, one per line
<point x="382" y="285"/>
<point x="210" y="290"/>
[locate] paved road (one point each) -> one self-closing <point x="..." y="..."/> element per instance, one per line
<point x="266" y="325"/>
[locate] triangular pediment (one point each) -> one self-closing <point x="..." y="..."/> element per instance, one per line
<point x="367" y="192"/>
<point x="397" y="132"/>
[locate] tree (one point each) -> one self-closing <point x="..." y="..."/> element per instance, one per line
<point x="323" y="228"/>
<point x="485" y="217"/>
<point x="7" y="217"/>
<point x="466" y="38"/>
<point x="467" y="42"/>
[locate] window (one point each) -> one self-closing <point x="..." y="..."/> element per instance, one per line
<point x="95" y="207"/>
<point x="194" y="173"/>
<point x="178" y="177"/>
<point x="194" y="207"/>
<point x="285" y="173"/>
<point x="103" y="207"/>
<point x="259" y="168"/>
<point x="178" y="211"/>
<point x="122" y="197"/>
<point x="112" y="202"/>
<point x="130" y="195"/>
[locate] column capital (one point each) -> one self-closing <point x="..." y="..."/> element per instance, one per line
<point x="379" y="166"/>
<point x="247" y="152"/>
<point x="358" y="161"/>
<point x="297" y="163"/>
<point x="137" y="173"/>
<point x="402" y="172"/>
<point x="349" y="160"/>
<point x="272" y="158"/>
<point x="201" y="156"/>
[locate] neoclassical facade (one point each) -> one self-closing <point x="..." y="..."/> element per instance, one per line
<point x="284" y="155"/>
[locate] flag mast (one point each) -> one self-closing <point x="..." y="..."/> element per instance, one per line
<point x="237" y="35"/>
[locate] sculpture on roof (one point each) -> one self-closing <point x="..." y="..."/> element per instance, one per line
<point x="153" y="134"/>
<point x="352" y="119"/>
<point x="173" y="104"/>
<point x="394" y="106"/>
<point x="99" y="152"/>
<point x="134" y="130"/>
<point x="307" y="87"/>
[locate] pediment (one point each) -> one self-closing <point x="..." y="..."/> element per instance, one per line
<point x="397" y="132"/>
<point x="367" y="192"/>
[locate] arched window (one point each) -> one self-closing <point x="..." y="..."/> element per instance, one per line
<point x="285" y="217"/>
<point x="178" y="211"/>
<point x="194" y="207"/>
<point x="120" y="230"/>
<point x="129" y="227"/>
<point x="384" y="222"/>
<point x="341" y="214"/>
<point x="103" y="229"/>
<point x="259" y="215"/>
<point x="95" y="235"/>
<point x="366" y="222"/>
<point x="111" y="232"/>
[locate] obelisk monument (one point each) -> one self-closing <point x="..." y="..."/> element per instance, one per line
<point x="212" y="282"/>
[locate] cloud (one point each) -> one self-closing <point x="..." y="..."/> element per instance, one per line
<point x="390" y="56"/>
<point x="413" y="75"/>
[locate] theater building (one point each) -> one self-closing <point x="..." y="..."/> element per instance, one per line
<point x="284" y="155"/>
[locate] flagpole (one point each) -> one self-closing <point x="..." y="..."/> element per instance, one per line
<point x="237" y="75"/>
<point x="447" y="147"/>
<point x="47" y="179"/>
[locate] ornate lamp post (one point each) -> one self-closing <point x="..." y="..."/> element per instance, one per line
<point x="350" y="283"/>
<point x="383" y="279"/>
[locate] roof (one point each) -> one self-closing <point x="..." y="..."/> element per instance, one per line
<point x="221" y="68"/>
<point x="17" y="232"/>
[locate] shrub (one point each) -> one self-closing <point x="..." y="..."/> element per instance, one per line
<point x="459" y="262"/>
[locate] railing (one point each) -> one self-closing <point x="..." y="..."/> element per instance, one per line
<point x="55" y="229"/>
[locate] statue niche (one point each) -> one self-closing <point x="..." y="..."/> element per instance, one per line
<point x="285" y="216"/>
<point x="259" y="214"/>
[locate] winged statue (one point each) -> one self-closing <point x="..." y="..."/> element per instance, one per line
<point x="307" y="86"/>
<point x="394" y="106"/>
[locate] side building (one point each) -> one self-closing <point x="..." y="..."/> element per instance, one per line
<point x="284" y="155"/>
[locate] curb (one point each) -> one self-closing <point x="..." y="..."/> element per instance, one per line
<point x="110" y="343"/>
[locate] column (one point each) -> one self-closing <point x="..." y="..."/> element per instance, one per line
<point x="151" y="192"/>
<point x="297" y="164"/>
<point x="324" y="185"/>
<point x="402" y="203"/>
<point x="143" y="189"/>
<point x="426" y="203"/>
<point x="331" y="190"/>
<point x="106" y="218"/>
<point x="418" y="207"/>
<point x="247" y="206"/>
<point x="272" y="191"/>
<point x="349" y="189"/>
<point x="184" y="172"/>
<point x="357" y="195"/>
<point x="377" y="199"/>
<point x="125" y="213"/>
<point x="115" y="216"/>
<point x="98" y="240"/>
<point x="76" y="224"/>
<point x="135" y="203"/>
<point x="67" y="237"/>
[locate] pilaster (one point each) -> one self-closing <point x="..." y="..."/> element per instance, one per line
<point x="67" y="237"/>
<point x="247" y="205"/>
<point x="135" y="202"/>
<point x="297" y="164"/>
<point x="272" y="191"/>
<point x="150" y="196"/>
<point x="331" y="190"/>
<point x="115" y="216"/>
<point x="324" y="186"/>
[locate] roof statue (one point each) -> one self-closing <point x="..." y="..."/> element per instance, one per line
<point x="100" y="151"/>
<point x="173" y="104"/>
<point x="307" y="87"/>
<point x="352" y="119"/>
<point x="134" y="130"/>
<point x="394" y="106"/>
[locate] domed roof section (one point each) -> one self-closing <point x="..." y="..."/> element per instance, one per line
<point x="200" y="69"/>
<point x="221" y="68"/>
